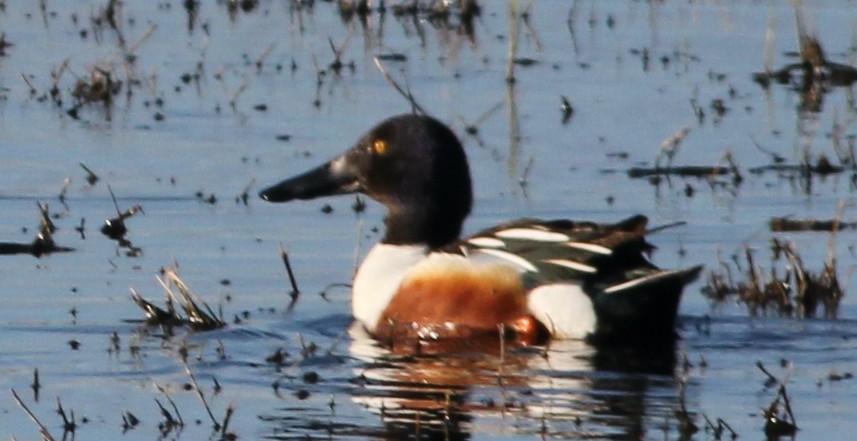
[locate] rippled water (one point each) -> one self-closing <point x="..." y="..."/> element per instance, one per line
<point x="193" y="127"/>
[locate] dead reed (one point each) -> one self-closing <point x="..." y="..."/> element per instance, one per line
<point x="789" y="289"/>
<point x="198" y="316"/>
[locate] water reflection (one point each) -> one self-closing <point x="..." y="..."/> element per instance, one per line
<point x="568" y="389"/>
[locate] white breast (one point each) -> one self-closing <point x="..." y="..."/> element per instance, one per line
<point x="379" y="277"/>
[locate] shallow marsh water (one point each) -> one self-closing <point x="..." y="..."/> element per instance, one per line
<point x="228" y="252"/>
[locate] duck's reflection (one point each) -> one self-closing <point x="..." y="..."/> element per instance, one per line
<point x="567" y="390"/>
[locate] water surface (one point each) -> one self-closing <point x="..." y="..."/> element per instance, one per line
<point x="191" y="132"/>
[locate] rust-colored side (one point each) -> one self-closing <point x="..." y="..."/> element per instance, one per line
<point x="447" y="300"/>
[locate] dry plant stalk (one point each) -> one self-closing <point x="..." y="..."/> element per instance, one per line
<point x="46" y="436"/>
<point x="799" y="292"/>
<point x="198" y="317"/>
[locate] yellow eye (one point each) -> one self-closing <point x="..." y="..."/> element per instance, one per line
<point x="379" y="147"/>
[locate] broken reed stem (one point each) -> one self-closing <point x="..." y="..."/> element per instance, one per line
<point x="201" y="396"/>
<point x="407" y="94"/>
<point x="770" y="33"/>
<point x="191" y="301"/>
<point x="115" y="204"/>
<point x="837" y="221"/>
<point x="224" y="427"/>
<point x="525" y="176"/>
<point x="336" y="52"/>
<point x="32" y="89"/>
<point x="787" y="404"/>
<point x="233" y="103"/>
<point x="513" y="41"/>
<point x="721" y="421"/>
<point x="46" y="436"/>
<point x="261" y="60"/>
<point x="36" y="385"/>
<point x="770" y="376"/>
<point x="136" y="45"/>
<point x="290" y="273"/>
<point x="88" y="171"/>
<point x="69" y="425"/>
<point x="172" y="403"/>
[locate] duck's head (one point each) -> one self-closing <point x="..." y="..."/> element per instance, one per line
<point x="412" y="164"/>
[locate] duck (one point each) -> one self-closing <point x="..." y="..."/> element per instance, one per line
<point x="527" y="280"/>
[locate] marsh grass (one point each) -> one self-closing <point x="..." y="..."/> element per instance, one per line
<point x="198" y="316"/>
<point x="789" y="289"/>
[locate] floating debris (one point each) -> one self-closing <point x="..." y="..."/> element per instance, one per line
<point x="669" y="146"/>
<point x="814" y="68"/>
<point x="694" y="171"/>
<point x="783" y="224"/>
<point x="99" y="88"/>
<point x="36" y="385"/>
<point x="91" y="177"/>
<point x="823" y="167"/>
<point x="244" y="197"/>
<point x="567" y="109"/>
<point x="43" y="243"/>
<point x="394" y="57"/>
<point x="669" y="149"/>
<point x="211" y="199"/>
<point x="116" y="229"/>
<point x="4" y="44"/>
<point x="129" y="421"/>
<point x="278" y="357"/>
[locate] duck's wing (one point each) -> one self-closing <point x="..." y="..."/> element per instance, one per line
<point x="550" y="251"/>
<point x="609" y="262"/>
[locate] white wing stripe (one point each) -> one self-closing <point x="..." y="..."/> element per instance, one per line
<point x="577" y="266"/>
<point x="487" y="242"/>
<point x="517" y="260"/>
<point x="532" y="234"/>
<point x="591" y="247"/>
<point x="640" y="281"/>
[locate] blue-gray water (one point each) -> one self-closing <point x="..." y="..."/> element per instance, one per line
<point x="592" y="52"/>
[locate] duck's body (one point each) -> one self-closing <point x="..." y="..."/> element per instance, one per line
<point x="532" y="279"/>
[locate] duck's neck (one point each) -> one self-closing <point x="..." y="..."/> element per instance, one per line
<point x="425" y="225"/>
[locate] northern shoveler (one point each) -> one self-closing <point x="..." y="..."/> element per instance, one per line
<point x="534" y="278"/>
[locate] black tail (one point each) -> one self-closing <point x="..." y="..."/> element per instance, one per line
<point x="642" y="309"/>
